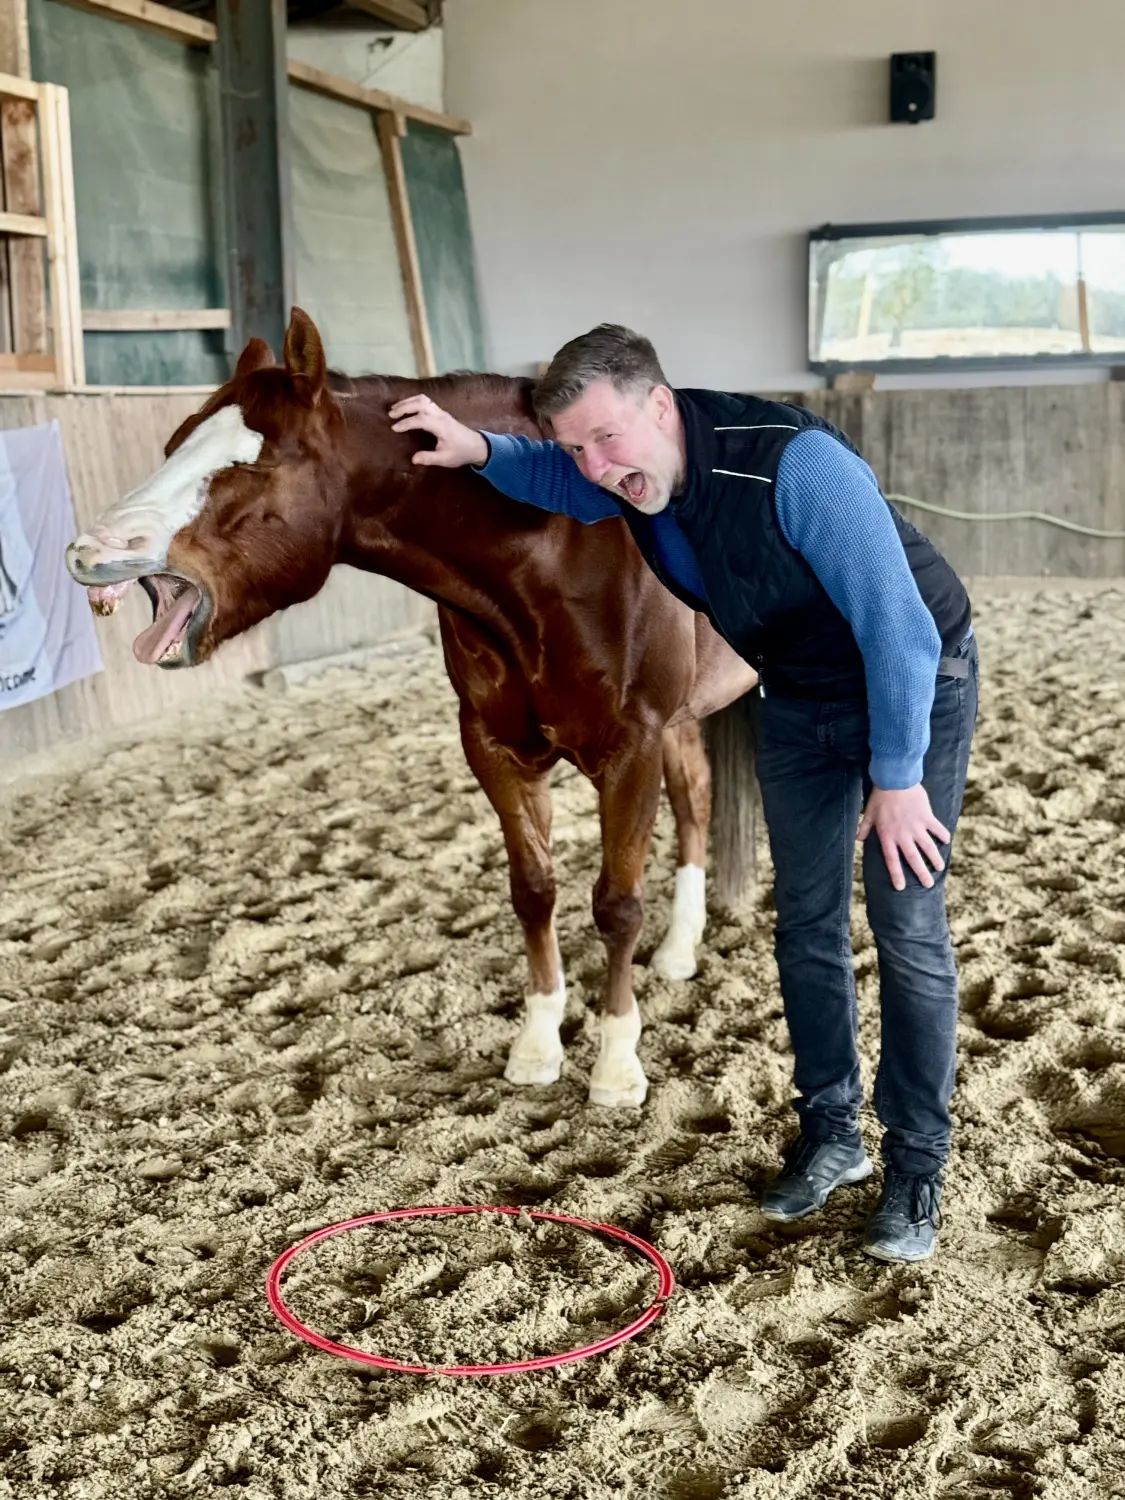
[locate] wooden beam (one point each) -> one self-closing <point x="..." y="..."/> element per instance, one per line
<point x="142" y="320"/>
<point x="374" y="99"/>
<point x="29" y="362"/>
<point x="28" y="372"/>
<point x="405" y="13"/>
<point x="254" y="91"/>
<point x="62" y="236"/>
<point x="173" y="23"/>
<point x="15" y="61"/>
<point x="24" y="322"/>
<point x="17" y="88"/>
<point x="23" y="224"/>
<point x="15" y="46"/>
<point x="145" y="390"/>
<point x="149" y="16"/>
<point x="391" y="145"/>
<point x="30" y="378"/>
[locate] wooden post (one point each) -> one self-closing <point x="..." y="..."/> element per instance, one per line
<point x="408" y="14"/>
<point x="23" y="287"/>
<point x="732" y="742"/>
<point x="15" y="47"/>
<point x="254" y="85"/>
<point x="391" y="128"/>
<point x="62" y="235"/>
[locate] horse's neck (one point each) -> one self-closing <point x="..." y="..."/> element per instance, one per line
<point x="433" y="529"/>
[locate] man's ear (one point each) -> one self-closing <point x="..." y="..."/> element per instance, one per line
<point x="663" y="403"/>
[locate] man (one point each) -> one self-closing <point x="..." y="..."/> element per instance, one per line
<point x="763" y="517"/>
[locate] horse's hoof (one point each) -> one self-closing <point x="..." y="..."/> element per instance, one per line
<point x="620" y="1096"/>
<point x="537" y="1054"/>
<point x="617" y="1080"/>
<point x="531" y="1070"/>
<point x="675" y="960"/>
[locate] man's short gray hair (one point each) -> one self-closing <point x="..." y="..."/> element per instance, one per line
<point x="608" y="352"/>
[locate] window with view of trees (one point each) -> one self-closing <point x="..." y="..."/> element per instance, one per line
<point x="1000" y="291"/>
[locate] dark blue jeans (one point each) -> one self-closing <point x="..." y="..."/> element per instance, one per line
<point x="812" y="767"/>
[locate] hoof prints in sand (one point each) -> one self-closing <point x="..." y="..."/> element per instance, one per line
<point x="258" y="973"/>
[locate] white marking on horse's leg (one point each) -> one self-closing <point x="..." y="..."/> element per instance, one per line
<point x="675" y="958"/>
<point x="132" y="537"/>
<point x="537" y="1053"/>
<point x="618" y="1080"/>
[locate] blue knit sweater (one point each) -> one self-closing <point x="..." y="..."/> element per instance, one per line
<point x="832" y="513"/>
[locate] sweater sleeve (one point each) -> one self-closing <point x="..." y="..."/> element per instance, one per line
<point x="831" y="511"/>
<point x="542" y="474"/>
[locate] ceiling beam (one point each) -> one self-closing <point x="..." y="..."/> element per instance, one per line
<point x="408" y="14"/>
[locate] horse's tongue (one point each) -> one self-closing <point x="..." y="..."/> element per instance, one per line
<point x="152" y="643"/>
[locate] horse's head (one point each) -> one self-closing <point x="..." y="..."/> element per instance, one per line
<point x="242" y="519"/>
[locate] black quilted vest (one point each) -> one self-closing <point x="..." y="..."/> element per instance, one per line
<point x="763" y="596"/>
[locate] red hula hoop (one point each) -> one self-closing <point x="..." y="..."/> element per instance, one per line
<point x="544" y="1362"/>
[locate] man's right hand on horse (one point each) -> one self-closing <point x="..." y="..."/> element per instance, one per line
<point x="456" y="444"/>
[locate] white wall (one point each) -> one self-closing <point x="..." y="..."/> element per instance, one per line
<point x="658" y="162"/>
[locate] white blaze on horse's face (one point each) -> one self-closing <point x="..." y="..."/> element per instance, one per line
<point x="131" y="540"/>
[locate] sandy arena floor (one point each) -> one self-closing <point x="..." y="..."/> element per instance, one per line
<point x="258" y="973"/>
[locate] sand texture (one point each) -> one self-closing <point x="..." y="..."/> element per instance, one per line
<point x="258" y="973"/>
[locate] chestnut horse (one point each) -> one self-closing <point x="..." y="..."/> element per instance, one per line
<point x="559" y="641"/>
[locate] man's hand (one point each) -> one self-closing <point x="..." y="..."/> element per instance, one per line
<point x="906" y="825"/>
<point x="456" y="443"/>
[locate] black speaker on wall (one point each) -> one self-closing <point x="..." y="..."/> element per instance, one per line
<point x="913" y="86"/>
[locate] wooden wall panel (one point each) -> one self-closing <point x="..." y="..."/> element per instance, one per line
<point x="112" y="442"/>
<point x="1054" y="449"/>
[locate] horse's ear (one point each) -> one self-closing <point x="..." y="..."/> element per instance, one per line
<point x="304" y="356"/>
<point x="256" y="356"/>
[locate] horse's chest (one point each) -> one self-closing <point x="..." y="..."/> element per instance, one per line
<point x="529" y="714"/>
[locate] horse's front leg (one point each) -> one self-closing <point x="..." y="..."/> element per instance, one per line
<point x="687" y="776"/>
<point x="522" y="799"/>
<point x="629" y="792"/>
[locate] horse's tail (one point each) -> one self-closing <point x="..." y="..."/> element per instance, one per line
<point x="732" y="744"/>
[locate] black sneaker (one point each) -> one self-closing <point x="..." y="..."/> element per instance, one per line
<point x="906" y="1219"/>
<point x="812" y="1169"/>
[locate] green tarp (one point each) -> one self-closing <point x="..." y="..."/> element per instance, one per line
<point x="148" y="174"/>
<point x="143" y="115"/>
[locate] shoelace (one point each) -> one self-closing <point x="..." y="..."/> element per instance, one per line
<point x="918" y="1195"/>
<point x="801" y="1152"/>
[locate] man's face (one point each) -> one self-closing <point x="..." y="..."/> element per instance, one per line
<point x="629" y="444"/>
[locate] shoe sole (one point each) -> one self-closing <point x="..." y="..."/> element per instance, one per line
<point x="876" y="1252"/>
<point x="854" y="1174"/>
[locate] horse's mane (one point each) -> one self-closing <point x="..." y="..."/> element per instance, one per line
<point x="469" y="390"/>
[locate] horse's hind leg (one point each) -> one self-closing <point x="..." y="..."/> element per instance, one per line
<point x="687" y="775"/>
<point x="522" y="801"/>
<point x="629" y="792"/>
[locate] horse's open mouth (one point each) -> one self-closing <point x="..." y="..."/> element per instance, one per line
<point x="179" y="611"/>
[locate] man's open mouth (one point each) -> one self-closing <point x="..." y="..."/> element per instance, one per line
<point x="177" y="607"/>
<point x="633" y="486"/>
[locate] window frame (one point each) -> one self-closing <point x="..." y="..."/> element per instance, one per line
<point x="951" y="362"/>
